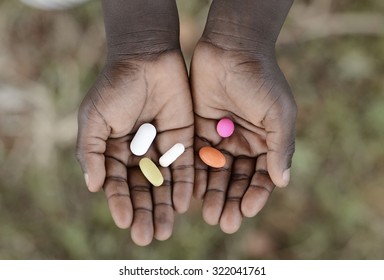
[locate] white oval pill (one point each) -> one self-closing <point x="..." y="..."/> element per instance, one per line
<point x="171" y="155"/>
<point x="143" y="139"/>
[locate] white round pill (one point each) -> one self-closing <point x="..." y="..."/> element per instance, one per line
<point x="171" y="155"/>
<point x="143" y="139"/>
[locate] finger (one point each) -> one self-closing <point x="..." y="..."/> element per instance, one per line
<point x="183" y="180"/>
<point x="259" y="190"/>
<point x="163" y="210"/>
<point x="215" y="195"/>
<point x="182" y="168"/>
<point x="280" y="127"/>
<point x="142" y="226"/>
<point x="201" y="170"/>
<point x="206" y="135"/>
<point x="93" y="133"/>
<point x="117" y="192"/>
<point x="232" y="217"/>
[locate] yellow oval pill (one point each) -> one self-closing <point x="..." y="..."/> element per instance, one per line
<point x="212" y="157"/>
<point x="151" y="172"/>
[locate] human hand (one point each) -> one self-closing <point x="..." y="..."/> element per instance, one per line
<point x="234" y="74"/>
<point x="126" y="95"/>
<point x="144" y="81"/>
<point x="250" y="89"/>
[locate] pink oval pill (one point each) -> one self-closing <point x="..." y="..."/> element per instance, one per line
<point x="225" y="127"/>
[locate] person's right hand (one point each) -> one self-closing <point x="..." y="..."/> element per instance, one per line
<point x="144" y="80"/>
<point x="128" y="93"/>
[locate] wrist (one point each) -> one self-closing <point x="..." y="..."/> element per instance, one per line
<point x="144" y="44"/>
<point x="140" y="27"/>
<point x="245" y="25"/>
<point x="226" y="36"/>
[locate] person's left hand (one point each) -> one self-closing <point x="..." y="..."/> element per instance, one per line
<point x="250" y="89"/>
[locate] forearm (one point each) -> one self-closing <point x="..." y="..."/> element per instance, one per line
<point x="245" y="24"/>
<point x="140" y="27"/>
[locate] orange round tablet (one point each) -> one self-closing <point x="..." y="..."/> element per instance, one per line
<point x="212" y="157"/>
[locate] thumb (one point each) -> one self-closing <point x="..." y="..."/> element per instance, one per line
<point x="280" y="126"/>
<point x="93" y="132"/>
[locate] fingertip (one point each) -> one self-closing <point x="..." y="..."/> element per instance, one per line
<point x="230" y="222"/>
<point x="91" y="187"/>
<point x="163" y="229"/>
<point x="280" y="179"/>
<point x="121" y="212"/>
<point x="209" y="219"/>
<point x="181" y="208"/>
<point x="210" y="215"/>
<point x="229" y="228"/>
<point x="141" y="237"/>
<point x="95" y="180"/>
<point x="163" y="232"/>
<point x="164" y="235"/>
<point x="286" y="177"/>
<point x="123" y="222"/>
<point x="253" y="201"/>
<point x="141" y="241"/>
<point x="93" y="190"/>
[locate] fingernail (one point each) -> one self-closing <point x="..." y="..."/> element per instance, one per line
<point x="286" y="176"/>
<point x="86" y="177"/>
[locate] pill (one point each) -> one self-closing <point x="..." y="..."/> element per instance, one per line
<point x="171" y="155"/>
<point x="225" y="127"/>
<point x="151" y="172"/>
<point x="212" y="157"/>
<point x="143" y="139"/>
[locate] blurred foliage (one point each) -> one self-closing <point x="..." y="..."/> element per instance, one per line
<point x="333" y="208"/>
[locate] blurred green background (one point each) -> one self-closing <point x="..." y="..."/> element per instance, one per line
<point x="332" y="52"/>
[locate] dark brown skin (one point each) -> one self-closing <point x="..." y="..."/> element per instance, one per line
<point x="136" y="86"/>
<point x="234" y="74"/>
